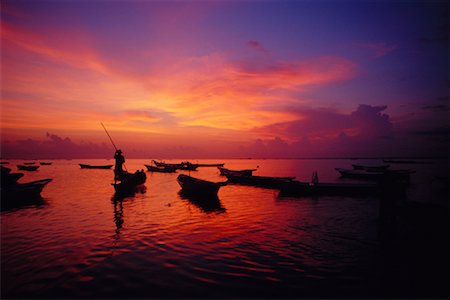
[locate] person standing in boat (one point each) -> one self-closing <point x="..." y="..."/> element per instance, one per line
<point x="120" y="160"/>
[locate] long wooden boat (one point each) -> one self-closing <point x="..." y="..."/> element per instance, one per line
<point x="29" y="163"/>
<point x="296" y="188"/>
<point x="130" y="181"/>
<point x="246" y="172"/>
<point x="4" y="162"/>
<point x="24" y="190"/>
<point x="181" y="166"/>
<point x="165" y="169"/>
<point x="376" y="175"/>
<point x="27" y="168"/>
<point x="379" y="168"/>
<point x="85" y="166"/>
<point x="195" y="186"/>
<point x="45" y="163"/>
<point x="259" y="181"/>
<point x="211" y="165"/>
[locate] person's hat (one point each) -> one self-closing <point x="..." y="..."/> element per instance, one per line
<point x="119" y="151"/>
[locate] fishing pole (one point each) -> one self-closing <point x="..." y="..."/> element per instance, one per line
<point x="109" y="136"/>
<point x="112" y="142"/>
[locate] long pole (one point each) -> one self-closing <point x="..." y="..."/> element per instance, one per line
<point x="109" y="136"/>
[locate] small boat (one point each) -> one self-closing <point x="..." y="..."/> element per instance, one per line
<point x="27" y="168"/>
<point x="129" y="182"/>
<point x="181" y="166"/>
<point x="259" y="181"/>
<point x="379" y="168"/>
<point x="45" y="163"/>
<point x="24" y="190"/>
<point x="211" y="165"/>
<point x="8" y="178"/>
<point x="195" y="186"/>
<point x="165" y="169"/>
<point x="85" y="166"/>
<point x="29" y="163"/>
<point x="225" y="171"/>
<point x="4" y="162"/>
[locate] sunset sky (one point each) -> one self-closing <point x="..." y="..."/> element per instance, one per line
<point x="224" y="78"/>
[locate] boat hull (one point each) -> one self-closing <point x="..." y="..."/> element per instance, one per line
<point x="85" y="166"/>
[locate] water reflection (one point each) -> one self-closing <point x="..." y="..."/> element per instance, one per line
<point x="206" y="203"/>
<point x="21" y="203"/>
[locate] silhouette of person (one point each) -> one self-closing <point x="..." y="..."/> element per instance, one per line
<point x="120" y="160"/>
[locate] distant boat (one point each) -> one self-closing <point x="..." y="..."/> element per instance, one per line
<point x="181" y="166"/>
<point x="165" y="169"/>
<point x="29" y="163"/>
<point x="4" y="162"/>
<point x="195" y="186"/>
<point x="27" y="168"/>
<point x="371" y="168"/>
<point x="259" y="181"/>
<point x="85" y="166"/>
<point x="45" y="163"/>
<point x="225" y="171"/>
<point x="130" y="181"/>
<point x="211" y="165"/>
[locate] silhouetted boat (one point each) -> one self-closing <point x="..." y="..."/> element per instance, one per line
<point x="259" y="181"/>
<point x="211" y="165"/>
<point x="8" y="178"/>
<point x="24" y="190"/>
<point x="85" y="166"/>
<point x="195" y="186"/>
<point x="4" y="162"/>
<point x="29" y="163"/>
<point x="185" y="165"/>
<point x="376" y="175"/>
<point x="165" y="169"/>
<point x="45" y="163"/>
<point x="379" y="168"/>
<point x="129" y="182"/>
<point x="27" y="168"/>
<point x="225" y="171"/>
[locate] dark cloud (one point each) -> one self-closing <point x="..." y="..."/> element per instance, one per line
<point x="437" y="108"/>
<point x="53" y="147"/>
<point x="257" y="46"/>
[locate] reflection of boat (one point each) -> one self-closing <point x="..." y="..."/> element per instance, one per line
<point x="225" y="171"/>
<point x="164" y="169"/>
<point x="210" y="165"/>
<point x="207" y="203"/>
<point x="185" y="165"/>
<point x="27" y="168"/>
<point x="130" y="182"/>
<point x="379" y="168"/>
<point x="195" y="186"/>
<point x="85" y="166"/>
<point x="260" y="181"/>
<point x="45" y="163"/>
<point x="376" y="175"/>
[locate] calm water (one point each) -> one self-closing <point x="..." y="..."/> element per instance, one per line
<point x="81" y="243"/>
